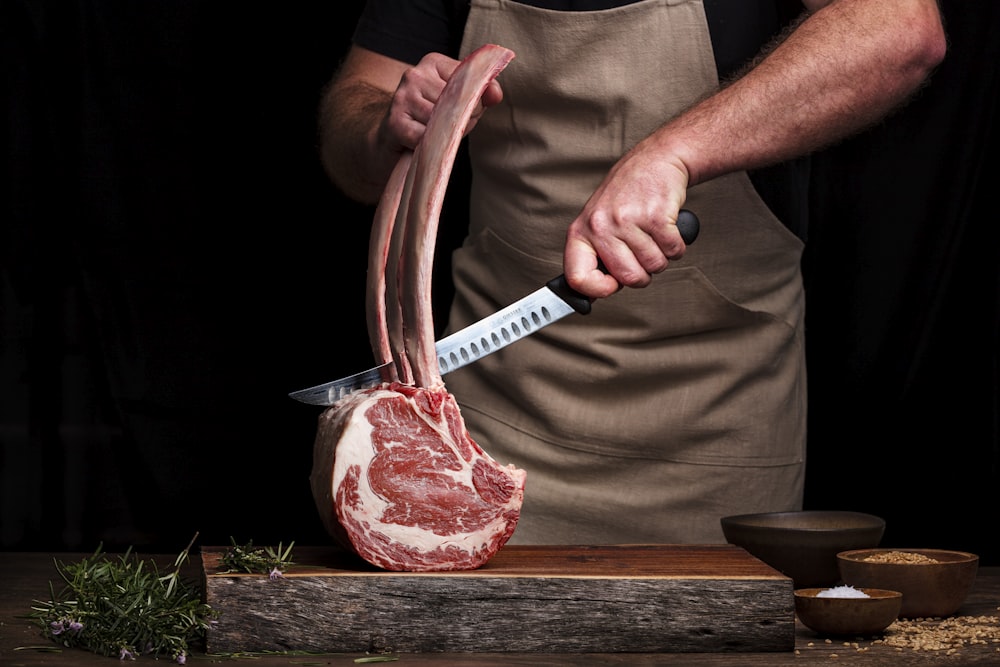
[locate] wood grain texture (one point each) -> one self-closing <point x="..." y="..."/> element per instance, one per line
<point x="29" y="575"/>
<point x="527" y="599"/>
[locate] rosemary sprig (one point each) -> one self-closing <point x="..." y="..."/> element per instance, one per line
<point x="124" y="607"/>
<point x="250" y="559"/>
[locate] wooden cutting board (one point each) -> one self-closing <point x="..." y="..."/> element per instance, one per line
<point x="545" y="599"/>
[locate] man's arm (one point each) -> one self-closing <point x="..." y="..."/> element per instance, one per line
<point x="356" y="159"/>
<point x="844" y="67"/>
<point x="375" y="109"/>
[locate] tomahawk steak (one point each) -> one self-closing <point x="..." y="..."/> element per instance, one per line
<point x="396" y="476"/>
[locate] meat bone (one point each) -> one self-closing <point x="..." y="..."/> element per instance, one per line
<point x="405" y="227"/>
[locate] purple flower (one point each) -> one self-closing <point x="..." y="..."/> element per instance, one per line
<point x="57" y="627"/>
<point x="76" y="626"/>
<point x="276" y="574"/>
<point x="181" y="658"/>
<point x="126" y="653"/>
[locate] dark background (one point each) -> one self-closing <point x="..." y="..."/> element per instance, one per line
<point x="173" y="261"/>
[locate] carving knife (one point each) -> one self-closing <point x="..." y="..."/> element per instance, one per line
<point x="522" y="318"/>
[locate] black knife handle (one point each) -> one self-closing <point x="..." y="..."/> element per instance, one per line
<point x="687" y="224"/>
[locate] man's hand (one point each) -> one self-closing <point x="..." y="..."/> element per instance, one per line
<point x="629" y="223"/>
<point x="377" y="108"/>
<point x="418" y="91"/>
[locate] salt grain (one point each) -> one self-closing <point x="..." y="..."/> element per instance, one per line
<point x="842" y="592"/>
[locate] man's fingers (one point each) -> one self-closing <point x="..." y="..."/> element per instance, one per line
<point x="581" y="267"/>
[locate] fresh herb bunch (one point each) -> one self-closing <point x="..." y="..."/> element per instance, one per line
<point x="125" y="607"/>
<point x="263" y="560"/>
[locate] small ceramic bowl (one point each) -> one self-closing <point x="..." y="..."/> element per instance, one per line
<point x="842" y="616"/>
<point x="930" y="589"/>
<point x="803" y="545"/>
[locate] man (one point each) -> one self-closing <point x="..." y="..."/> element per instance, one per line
<point x="683" y="401"/>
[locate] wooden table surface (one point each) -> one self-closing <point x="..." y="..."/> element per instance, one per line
<point x="25" y="577"/>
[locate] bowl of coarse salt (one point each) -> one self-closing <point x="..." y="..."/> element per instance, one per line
<point x="845" y="610"/>
<point x="934" y="582"/>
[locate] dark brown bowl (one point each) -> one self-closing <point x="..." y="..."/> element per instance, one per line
<point x="843" y="616"/>
<point x="804" y="545"/>
<point x="929" y="589"/>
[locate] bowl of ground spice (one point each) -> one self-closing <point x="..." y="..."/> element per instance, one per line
<point x="845" y="610"/>
<point x="934" y="582"/>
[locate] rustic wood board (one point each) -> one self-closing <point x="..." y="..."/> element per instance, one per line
<point x="544" y="599"/>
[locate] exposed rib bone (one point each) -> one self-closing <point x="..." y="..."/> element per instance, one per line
<point x="379" y="319"/>
<point x="427" y="181"/>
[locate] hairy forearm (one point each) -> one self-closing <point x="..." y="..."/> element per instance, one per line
<point x="840" y="71"/>
<point x="349" y="117"/>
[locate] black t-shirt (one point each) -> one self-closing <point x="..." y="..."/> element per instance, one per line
<point x="407" y="30"/>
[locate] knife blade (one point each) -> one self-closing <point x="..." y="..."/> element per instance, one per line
<point x="524" y="317"/>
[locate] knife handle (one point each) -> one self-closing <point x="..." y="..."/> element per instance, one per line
<point x="688" y="226"/>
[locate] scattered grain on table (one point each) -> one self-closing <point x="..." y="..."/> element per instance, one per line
<point x="947" y="634"/>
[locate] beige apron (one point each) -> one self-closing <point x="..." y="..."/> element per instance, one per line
<point x="666" y="407"/>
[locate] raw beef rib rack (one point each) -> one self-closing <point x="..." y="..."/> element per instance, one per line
<point x="396" y="476"/>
